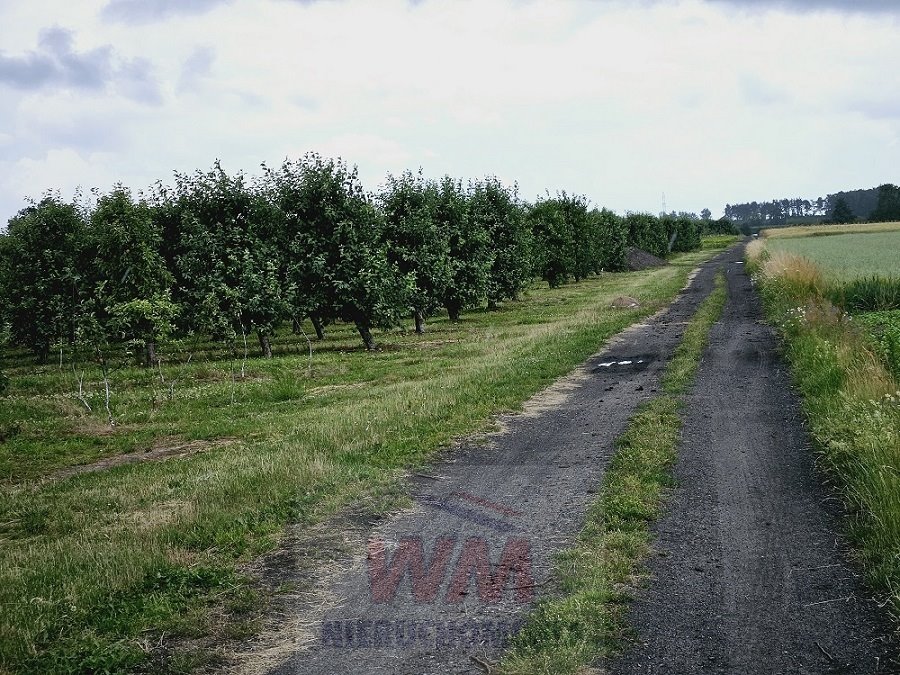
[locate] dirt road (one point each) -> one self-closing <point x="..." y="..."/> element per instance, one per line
<point x="752" y="574"/>
<point x="452" y="578"/>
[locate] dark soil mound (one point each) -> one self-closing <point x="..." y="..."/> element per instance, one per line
<point x="636" y="259"/>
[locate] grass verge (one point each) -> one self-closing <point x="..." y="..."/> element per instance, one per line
<point x="584" y="622"/>
<point x="852" y="404"/>
<point x="99" y="570"/>
<point x="718" y="241"/>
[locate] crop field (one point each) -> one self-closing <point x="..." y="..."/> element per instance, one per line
<point x="847" y="256"/>
<point x="828" y="230"/>
<point x="861" y="264"/>
<point x="209" y="456"/>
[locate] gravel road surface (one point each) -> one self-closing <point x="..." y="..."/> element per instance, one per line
<point x="752" y="574"/>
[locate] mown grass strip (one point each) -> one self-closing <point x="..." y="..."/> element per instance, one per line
<point x="586" y="620"/>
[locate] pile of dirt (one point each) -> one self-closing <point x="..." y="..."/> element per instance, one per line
<point x="636" y="259"/>
<point x="625" y="302"/>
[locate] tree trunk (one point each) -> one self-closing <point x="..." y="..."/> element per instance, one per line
<point x="150" y="353"/>
<point x="420" y="321"/>
<point x="264" y="345"/>
<point x="317" y="324"/>
<point x="453" y="310"/>
<point x="296" y="328"/>
<point x="366" y="335"/>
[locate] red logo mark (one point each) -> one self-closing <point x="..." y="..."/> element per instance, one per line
<point x="474" y="560"/>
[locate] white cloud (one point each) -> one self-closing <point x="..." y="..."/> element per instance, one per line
<point x="620" y="101"/>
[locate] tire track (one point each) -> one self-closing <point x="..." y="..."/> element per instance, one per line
<point x="752" y="575"/>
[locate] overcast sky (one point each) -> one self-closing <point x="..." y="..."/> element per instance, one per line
<point x="708" y="102"/>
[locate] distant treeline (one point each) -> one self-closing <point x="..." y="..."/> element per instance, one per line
<point x="874" y="204"/>
<point x="228" y="256"/>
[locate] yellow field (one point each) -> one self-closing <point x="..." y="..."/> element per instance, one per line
<point x="820" y="230"/>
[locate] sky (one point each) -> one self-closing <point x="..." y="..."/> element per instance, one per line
<point x="698" y="102"/>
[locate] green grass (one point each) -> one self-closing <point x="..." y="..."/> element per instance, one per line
<point x="96" y="567"/>
<point x="584" y="622"/>
<point x="884" y="330"/>
<point x="846" y="256"/>
<point x="718" y="241"/>
<point x="867" y="294"/>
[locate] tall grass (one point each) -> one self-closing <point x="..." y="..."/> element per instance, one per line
<point x="868" y="294"/>
<point x="853" y="407"/>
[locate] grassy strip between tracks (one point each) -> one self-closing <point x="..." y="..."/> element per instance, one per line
<point x="852" y="404"/>
<point x="100" y="570"/>
<point x="584" y="622"/>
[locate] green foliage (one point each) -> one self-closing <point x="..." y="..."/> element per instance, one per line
<point x="647" y="233"/>
<point x="611" y="240"/>
<point x="4" y="340"/>
<point x="219" y="256"/>
<point x="342" y="270"/>
<point x="888" y="208"/>
<point x="721" y="226"/>
<point x="128" y="275"/>
<point x="227" y="258"/>
<point x="584" y="239"/>
<point x="842" y="213"/>
<point x="574" y="242"/>
<point x="44" y="273"/>
<point x="683" y="233"/>
<point x="415" y="243"/>
<point x="884" y="329"/>
<point x="555" y="241"/>
<point x="471" y="255"/>
<point x="496" y="209"/>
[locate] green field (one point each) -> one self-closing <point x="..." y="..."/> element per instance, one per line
<point x="97" y="566"/>
<point x="846" y="256"/>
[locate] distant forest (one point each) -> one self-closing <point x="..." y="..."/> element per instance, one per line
<point x="878" y="203"/>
